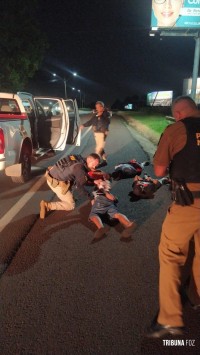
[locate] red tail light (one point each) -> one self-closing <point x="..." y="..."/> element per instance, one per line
<point x="2" y="142"/>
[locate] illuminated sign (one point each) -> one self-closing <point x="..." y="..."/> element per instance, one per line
<point x="175" y="14"/>
<point x="129" y="107"/>
<point x="160" y="98"/>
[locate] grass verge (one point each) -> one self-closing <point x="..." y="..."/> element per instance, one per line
<point x="155" y="122"/>
<point x="150" y="125"/>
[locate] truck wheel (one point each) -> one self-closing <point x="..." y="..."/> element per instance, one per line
<point x="25" y="160"/>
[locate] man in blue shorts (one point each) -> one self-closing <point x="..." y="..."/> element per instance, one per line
<point x="105" y="203"/>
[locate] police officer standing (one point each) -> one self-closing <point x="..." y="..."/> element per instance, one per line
<point x="179" y="153"/>
<point x="100" y="122"/>
<point x="67" y="174"/>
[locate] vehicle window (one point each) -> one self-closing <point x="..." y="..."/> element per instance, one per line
<point x="51" y="107"/>
<point x="9" y="106"/>
<point x="41" y="110"/>
<point x="70" y="108"/>
<point x="69" y="105"/>
<point x="29" y="108"/>
<point x="56" y="109"/>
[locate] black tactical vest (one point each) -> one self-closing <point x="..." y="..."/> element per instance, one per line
<point x="186" y="163"/>
<point x="69" y="161"/>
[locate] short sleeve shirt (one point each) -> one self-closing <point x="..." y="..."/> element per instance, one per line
<point x="171" y="142"/>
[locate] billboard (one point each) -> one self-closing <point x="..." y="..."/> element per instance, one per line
<point x="175" y="14"/>
<point x="187" y="86"/>
<point x="159" y="98"/>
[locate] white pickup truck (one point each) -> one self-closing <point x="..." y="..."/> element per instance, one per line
<point x="32" y="125"/>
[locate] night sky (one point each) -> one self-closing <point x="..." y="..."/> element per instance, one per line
<point x="108" y="44"/>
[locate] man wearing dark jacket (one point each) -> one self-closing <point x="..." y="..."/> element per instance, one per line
<point x="68" y="173"/>
<point x="100" y="122"/>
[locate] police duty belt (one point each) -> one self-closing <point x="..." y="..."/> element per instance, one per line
<point x="65" y="185"/>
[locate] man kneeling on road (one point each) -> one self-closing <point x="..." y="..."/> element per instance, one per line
<point x="66" y="174"/>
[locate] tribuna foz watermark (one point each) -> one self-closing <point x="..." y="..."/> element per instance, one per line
<point x="179" y="342"/>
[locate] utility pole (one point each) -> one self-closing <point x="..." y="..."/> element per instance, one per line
<point x="64" y="80"/>
<point x="65" y="86"/>
<point x="196" y="36"/>
<point x="195" y="67"/>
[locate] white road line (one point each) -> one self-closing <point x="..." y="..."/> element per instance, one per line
<point x="28" y="195"/>
<point x="20" y="204"/>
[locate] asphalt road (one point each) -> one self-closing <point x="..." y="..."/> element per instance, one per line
<point x="62" y="294"/>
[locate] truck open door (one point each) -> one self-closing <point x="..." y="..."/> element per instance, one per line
<point x="60" y="124"/>
<point x="74" y="133"/>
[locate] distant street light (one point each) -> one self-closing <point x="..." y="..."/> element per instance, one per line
<point x="65" y="82"/>
<point x="80" y="98"/>
<point x="74" y="89"/>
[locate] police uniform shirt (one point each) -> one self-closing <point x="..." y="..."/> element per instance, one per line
<point x="171" y="142"/>
<point x="76" y="173"/>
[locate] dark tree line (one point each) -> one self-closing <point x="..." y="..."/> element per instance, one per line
<point x="22" y="44"/>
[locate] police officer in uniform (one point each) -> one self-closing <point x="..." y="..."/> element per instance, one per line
<point x="100" y="122"/>
<point x="66" y="174"/>
<point x="179" y="152"/>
